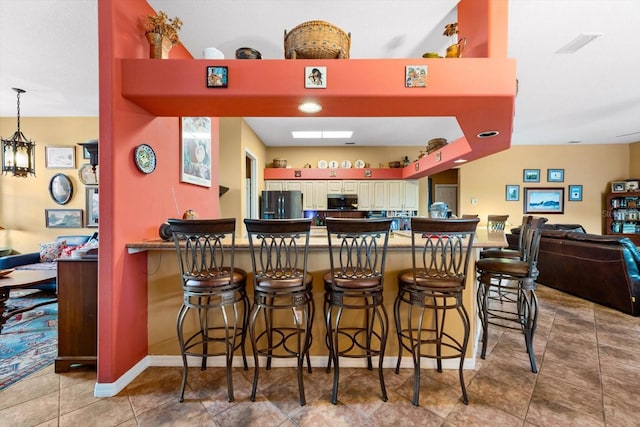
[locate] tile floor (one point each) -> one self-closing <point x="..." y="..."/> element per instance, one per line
<point x="589" y="375"/>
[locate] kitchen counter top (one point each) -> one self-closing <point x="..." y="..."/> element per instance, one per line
<point x="399" y="240"/>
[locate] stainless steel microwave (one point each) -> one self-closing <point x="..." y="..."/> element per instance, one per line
<point x="342" y="202"/>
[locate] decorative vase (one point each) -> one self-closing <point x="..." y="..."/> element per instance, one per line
<point x="160" y="45"/>
<point x="455" y="50"/>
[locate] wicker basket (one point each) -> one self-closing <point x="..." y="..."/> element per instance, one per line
<point x="316" y="40"/>
<point x="279" y="163"/>
<point x="436" y="143"/>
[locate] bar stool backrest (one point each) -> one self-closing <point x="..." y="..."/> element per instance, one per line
<point x="279" y="250"/>
<point x="531" y="244"/>
<point x="358" y="248"/>
<point x="496" y="222"/>
<point x="205" y="249"/>
<point x="441" y="249"/>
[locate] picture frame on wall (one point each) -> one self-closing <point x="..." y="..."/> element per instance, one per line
<point x="531" y="175"/>
<point x="555" y="175"/>
<point x="315" y="77"/>
<point x="195" y="163"/>
<point x="512" y="193"/>
<point x="60" y="189"/>
<point x="415" y="76"/>
<point x="575" y="193"/>
<point x="59" y="157"/>
<point x="217" y="76"/>
<point x="92" y="206"/>
<point x="543" y="200"/>
<point x="63" y="218"/>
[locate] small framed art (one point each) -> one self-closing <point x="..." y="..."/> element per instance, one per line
<point x="543" y="200"/>
<point x="92" y="206"/>
<point x="555" y="175"/>
<point x="618" y="187"/>
<point x="217" y="76"/>
<point x="415" y="76"/>
<point x="315" y="77"/>
<point x="575" y="193"/>
<point x="531" y="175"/>
<point x="631" y="185"/>
<point x="196" y="151"/>
<point x="63" y="218"/>
<point x="60" y="188"/>
<point x="60" y="157"/>
<point x="512" y="193"/>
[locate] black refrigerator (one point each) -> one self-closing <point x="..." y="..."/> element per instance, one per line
<point x="281" y="204"/>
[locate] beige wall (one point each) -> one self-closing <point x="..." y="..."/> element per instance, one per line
<point x="23" y="200"/>
<point x="592" y="166"/>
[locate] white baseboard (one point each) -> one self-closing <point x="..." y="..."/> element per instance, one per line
<point x="112" y="389"/>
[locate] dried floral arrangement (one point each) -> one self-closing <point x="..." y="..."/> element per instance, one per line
<point x="161" y="24"/>
<point x="450" y="29"/>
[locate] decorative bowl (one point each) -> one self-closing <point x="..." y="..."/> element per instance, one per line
<point x="247" y="53"/>
<point x="394" y="164"/>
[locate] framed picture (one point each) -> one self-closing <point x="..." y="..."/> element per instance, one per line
<point x="217" y="76"/>
<point x="63" y="218"/>
<point x="91" y="200"/>
<point x="415" y="76"/>
<point x="618" y="187"/>
<point x="85" y="153"/>
<point x="631" y="185"/>
<point x="195" y="161"/>
<point x="60" y="188"/>
<point x="575" y="193"/>
<point x="315" y="77"/>
<point x="531" y="175"/>
<point x="543" y="200"/>
<point x="555" y="175"/>
<point x="512" y="193"/>
<point x="60" y="157"/>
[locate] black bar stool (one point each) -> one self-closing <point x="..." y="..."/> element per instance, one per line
<point x="515" y="276"/>
<point x="357" y="252"/>
<point x="212" y="291"/>
<point x="279" y="251"/>
<point x="440" y="250"/>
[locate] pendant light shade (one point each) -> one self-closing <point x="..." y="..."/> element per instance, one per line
<point x="18" y="152"/>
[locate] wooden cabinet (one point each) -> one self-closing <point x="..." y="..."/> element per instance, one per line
<point x="623" y="215"/>
<point x="342" y="187"/>
<point x="77" y="313"/>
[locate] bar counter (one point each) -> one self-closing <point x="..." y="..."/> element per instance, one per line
<point x="165" y="291"/>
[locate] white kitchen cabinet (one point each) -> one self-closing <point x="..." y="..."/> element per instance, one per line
<point x="411" y="195"/>
<point x="273" y="185"/>
<point x="314" y="195"/>
<point x="342" y="187"/>
<point x="395" y="195"/>
<point x="379" y="195"/>
<point x="364" y="195"/>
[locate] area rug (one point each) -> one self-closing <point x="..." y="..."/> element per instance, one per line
<point x="29" y="340"/>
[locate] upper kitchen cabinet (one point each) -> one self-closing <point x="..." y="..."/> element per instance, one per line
<point x="342" y="187"/>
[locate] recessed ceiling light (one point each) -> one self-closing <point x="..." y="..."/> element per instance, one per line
<point x="310" y="107"/>
<point x="578" y="43"/>
<point x="460" y="161"/>
<point x="337" y="133"/>
<point x="307" y="134"/>
<point x="488" y="134"/>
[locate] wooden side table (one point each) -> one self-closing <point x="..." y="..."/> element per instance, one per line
<point x="77" y="313"/>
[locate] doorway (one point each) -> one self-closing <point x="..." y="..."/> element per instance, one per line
<point x="251" y="185"/>
<point x="447" y="193"/>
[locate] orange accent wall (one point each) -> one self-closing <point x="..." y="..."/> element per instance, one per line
<point x="133" y="204"/>
<point x="141" y="101"/>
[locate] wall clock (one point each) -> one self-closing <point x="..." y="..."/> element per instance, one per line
<point x="145" y="158"/>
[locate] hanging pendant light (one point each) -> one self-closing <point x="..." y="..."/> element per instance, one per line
<point x="18" y="152"/>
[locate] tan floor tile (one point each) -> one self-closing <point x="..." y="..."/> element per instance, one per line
<point x="32" y="412"/>
<point x="30" y="388"/>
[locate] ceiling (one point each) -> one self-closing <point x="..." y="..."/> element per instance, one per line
<point x="49" y="48"/>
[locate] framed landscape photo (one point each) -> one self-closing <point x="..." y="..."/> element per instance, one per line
<point x="63" y="218"/>
<point x="195" y="161"/>
<point x="91" y="200"/>
<point x="575" y="193"/>
<point x="555" y="175"/>
<point x="618" y="187"/>
<point x="60" y="157"/>
<point x="512" y="193"/>
<point x="531" y="175"/>
<point x="217" y="77"/>
<point x="543" y="200"/>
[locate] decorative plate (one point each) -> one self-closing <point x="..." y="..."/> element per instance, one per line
<point x="359" y="164"/>
<point x="345" y="164"/>
<point x="333" y="164"/>
<point x="145" y="158"/>
<point x="6" y="272"/>
<point x="322" y="164"/>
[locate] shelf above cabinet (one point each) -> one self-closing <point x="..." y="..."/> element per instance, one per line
<point x="330" y="174"/>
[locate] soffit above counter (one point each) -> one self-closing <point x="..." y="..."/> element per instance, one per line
<point x="478" y="92"/>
